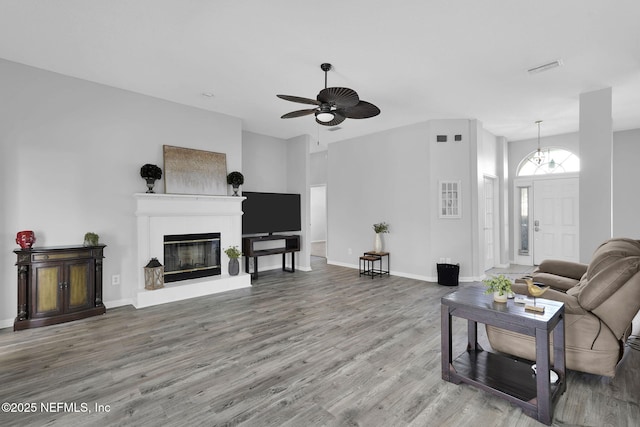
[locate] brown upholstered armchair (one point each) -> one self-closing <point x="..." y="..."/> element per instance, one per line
<point x="601" y="299"/>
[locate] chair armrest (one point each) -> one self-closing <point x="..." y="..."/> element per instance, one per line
<point x="571" y="304"/>
<point x="559" y="283"/>
<point x="574" y="270"/>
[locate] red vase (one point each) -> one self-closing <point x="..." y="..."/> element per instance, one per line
<point x="25" y="239"/>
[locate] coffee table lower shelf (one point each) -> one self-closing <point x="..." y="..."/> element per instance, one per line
<point x="509" y="378"/>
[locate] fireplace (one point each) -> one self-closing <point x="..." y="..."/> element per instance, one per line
<point x="191" y="256"/>
<point x="160" y="215"/>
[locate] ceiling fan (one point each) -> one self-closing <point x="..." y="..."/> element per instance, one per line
<point x="334" y="104"/>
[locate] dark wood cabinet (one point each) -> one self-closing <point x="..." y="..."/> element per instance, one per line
<point x="58" y="284"/>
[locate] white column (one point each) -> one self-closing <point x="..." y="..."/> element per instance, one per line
<point x="596" y="153"/>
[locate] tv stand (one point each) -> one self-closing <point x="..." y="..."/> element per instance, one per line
<point x="290" y="244"/>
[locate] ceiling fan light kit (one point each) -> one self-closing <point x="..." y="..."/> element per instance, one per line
<point x="324" y="117"/>
<point x="333" y="104"/>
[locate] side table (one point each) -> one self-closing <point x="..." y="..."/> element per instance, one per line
<point x="369" y="259"/>
<point x="507" y="377"/>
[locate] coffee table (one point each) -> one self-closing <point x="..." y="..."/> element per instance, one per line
<point x="506" y="376"/>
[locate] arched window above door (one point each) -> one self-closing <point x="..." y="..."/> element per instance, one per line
<point x="556" y="160"/>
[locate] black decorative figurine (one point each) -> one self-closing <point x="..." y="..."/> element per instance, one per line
<point x="151" y="173"/>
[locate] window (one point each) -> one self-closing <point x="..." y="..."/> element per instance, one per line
<point x="556" y="160"/>
<point x="523" y="221"/>
<point x="450" y="199"/>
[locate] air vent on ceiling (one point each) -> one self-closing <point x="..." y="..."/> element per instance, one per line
<point x="335" y="128"/>
<point x="545" y="67"/>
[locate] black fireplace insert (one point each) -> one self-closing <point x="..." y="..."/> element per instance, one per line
<point x="191" y="256"/>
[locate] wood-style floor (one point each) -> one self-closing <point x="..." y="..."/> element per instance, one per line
<point x="305" y="349"/>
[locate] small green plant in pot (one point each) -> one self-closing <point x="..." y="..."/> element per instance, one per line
<point x="499" y="286"/>
<point x="233" y="253"/>
<point x="91" y="239"/>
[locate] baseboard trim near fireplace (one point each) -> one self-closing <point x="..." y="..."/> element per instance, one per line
<point x="194" y="288"/>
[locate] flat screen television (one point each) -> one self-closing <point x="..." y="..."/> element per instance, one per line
<point x="270" y="212"/>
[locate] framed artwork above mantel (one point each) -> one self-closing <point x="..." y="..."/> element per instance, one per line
<point x="191" y="171"/>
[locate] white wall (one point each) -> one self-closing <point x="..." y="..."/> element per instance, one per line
<point x="393" y="176"/>
<point x="280" y="166"/>
<point x="264" y="163"/>
<point x="451" y="238"/>
<point x="626" y="199"/>
<point x="298" y="178"/>
<point x="319" y="168"/>
<point x="318" y="213"/>
<point x="71" y="156"/>
<point x="596" y="177"/>
<point x="381" y="177"/>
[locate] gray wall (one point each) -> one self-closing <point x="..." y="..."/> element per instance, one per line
<point x="626" y="198"/>
<point x="393" y="176"/>
<point x="279" y="166"/>
<point x="319" y="168"/>
<point x="596" y="176"/>
<point x="71" y="153"/>
<point x="264" y="163"/>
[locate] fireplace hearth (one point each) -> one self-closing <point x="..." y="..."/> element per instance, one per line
<point x="191" y="256"/>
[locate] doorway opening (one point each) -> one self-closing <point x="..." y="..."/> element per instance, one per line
<point x="318" y="221"/>
<point x="546" y="208"/>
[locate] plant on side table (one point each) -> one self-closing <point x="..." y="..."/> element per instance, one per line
<point x="499" y="286"/>
<point x="379" y="228"/>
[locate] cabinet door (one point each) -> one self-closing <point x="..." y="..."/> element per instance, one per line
<point x="47" y="290"/>
<point x="79" y="286"/>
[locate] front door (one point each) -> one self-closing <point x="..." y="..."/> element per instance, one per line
<point x="555" y="220"/>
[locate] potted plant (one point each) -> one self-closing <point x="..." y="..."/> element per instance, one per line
<point x="91" y="239"/>
<point x="379" y="228"/>
<point x="235" y="179"/>
<point x="499" y="286"/>
<point x="150" y="173"/>
<point x="233" y="253"/>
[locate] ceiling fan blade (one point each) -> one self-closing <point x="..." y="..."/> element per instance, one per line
<point x="363" y="110"/>
<point x="299" y="99"/>
<point x="337" y="119"/>
<point x="341" y="97"/>
<point x="298" y="113"/>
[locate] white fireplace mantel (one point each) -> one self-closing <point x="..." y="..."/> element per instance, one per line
<point x="163" y="214"/>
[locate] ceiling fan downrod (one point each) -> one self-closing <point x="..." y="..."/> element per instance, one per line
<point x="325" y="67"/>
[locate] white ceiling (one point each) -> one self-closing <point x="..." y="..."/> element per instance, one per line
<point x="415" y="59"/>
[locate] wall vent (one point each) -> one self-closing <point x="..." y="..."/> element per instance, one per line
<point x="545" y="67"/>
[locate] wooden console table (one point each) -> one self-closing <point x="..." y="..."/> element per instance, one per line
<point x="507" y="377"/>
<point x="290" y="245"/>
<point x="58" y="284"/>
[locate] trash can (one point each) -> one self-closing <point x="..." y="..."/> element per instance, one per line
<point x="448" y="274"/>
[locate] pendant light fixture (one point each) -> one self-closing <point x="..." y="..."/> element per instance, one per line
<point x="538" y="157"/>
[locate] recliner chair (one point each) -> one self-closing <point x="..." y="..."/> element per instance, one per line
<point x="601" y="299"/>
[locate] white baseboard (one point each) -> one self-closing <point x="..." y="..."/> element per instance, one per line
<point x="403" y="274"/>
<point x="118" y="303"/>
<point x="6" y="323"/>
